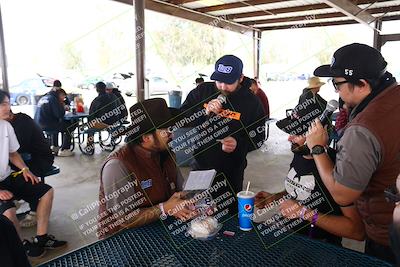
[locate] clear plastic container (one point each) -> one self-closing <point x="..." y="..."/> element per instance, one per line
<point x="204" y="228"/>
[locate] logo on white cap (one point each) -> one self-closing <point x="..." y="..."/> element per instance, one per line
<point x="224" y="69"/>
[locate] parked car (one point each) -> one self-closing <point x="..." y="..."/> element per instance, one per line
<point x="157" y="86"/>
<point x="90" y="82"/>
<point x="24" y="92"/>
<point x="20" y="99"/>
<point x="121" y="79"/>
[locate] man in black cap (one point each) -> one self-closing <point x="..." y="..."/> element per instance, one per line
<point x="229" y="121"/>
<point x="139" y="182"/>
<point x="57" y="85"/>
<point x="199" y="81"/>
<point x="368" y="158"/>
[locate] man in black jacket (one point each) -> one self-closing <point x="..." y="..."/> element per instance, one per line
<point x="111" y="88"/>
<point x="106" y="111"/>
<point x="228" y="121"/>
<point x="105" y="108"/>
<point x="50" y="116"/>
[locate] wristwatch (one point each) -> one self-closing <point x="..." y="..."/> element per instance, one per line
<point x="318" y="150"/>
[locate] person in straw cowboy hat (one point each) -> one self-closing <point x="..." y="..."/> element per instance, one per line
<point x="311" y="91"/>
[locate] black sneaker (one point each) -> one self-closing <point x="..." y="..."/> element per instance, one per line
<point x="33" y="250"/>
<point x="48" y="242"/>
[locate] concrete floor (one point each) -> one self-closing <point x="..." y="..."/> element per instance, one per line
<point x="77" y="186"/>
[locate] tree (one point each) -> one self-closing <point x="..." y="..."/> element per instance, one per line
<point x="72" y="58"/>
<point x="188" y="43"/>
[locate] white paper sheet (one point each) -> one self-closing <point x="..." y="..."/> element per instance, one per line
<point x="200" y="180"/>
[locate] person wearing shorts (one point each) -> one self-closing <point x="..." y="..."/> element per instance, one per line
<point x="23" y="185"/>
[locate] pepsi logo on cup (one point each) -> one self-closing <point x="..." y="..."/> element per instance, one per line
<point x="247" y="207"/>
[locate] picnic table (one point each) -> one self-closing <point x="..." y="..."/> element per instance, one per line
<point x="76" y="116"/>
<point x="153" y="245"/>
<point x="78" y="119"/>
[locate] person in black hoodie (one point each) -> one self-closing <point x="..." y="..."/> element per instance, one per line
<point x="50" y="116"/>
<point x="111" y="88"/>
<point x="106" y="108"/>
<point x="228" y="119"/>
<point x="106" y="111"/>
<point x="32" y="142"/>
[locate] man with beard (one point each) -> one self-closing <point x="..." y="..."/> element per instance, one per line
<point x="231" y="124"/>
<point x="139" y="182"/>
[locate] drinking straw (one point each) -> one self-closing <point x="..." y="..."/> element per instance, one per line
<point x="248" y="185"/>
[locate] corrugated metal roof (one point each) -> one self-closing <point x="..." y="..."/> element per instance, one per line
<point x="301" y="23"/>
<point x="286" y="15"/>
<point x="316" y="11"/>
<point x="265" y="7"/>
<point x="242" y="16"/>
<point x="207" y="3"/>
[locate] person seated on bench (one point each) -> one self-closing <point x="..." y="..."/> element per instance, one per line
<point x="57" y="85"/>
<point x="23" y="185"/>
<point x="302" y="183"/>
<point x="32" y="141"/>
<point x="306" y="202"/>
<point x="111" y="88"/>
<point x="50" y="116"/>
<point x="105" y="110"/>
<point x="142" y="175"/>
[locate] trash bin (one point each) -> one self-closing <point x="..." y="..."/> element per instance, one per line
<point x="175" y="98"/>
